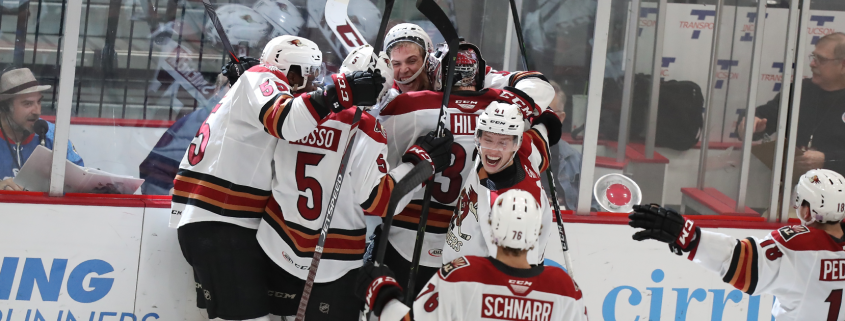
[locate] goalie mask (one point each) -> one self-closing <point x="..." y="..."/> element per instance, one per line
<point x="516" y="220"/>
<point x="470" y="67"/>
<point x="285" y="51"/>
<point x="363" y="58"/>
<point x="824" y="191"/>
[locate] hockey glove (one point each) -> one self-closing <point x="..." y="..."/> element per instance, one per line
<point x="526" y="104"/>
<point x="234" y="70"/>
<point x="359" y="88"/>
<point x="664" y="225"/>
<point x="376" y="286"/>
<point x="553" y="125"/>
<point x="435" y="150"/>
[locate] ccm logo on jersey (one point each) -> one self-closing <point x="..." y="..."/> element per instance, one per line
<point x="788" y="232"/>
<point x="520" y="287"/>
<point x="321" y="137"/>
<point x="832" y="270"/>
<point x="512" y="308"/>
<point x="463" y="124"/>
<point x="466" y="104"/>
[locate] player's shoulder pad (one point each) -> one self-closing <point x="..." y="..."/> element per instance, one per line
<point x="561" y="282"/>
<point x="456" y="264"/>
<point x="413" y="101"/>
<point x="804" y="238"/>
<point x="261" y="68"/>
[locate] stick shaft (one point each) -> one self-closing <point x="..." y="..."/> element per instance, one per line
<point x="209" y="9"/>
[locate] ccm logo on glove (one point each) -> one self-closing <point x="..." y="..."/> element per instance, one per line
<point x="689" y="228"/>
<point x="343" y="90"/>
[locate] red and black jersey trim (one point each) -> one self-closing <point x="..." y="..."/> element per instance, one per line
<point x="218" y="195"/>
<point x="519" y="76"/>
<point x="439" y="216"/>
<point x="274" y="113"/>
<point x="341" y="244"/>
<point x="742" y="273"/>
<point x="542" y="145"/>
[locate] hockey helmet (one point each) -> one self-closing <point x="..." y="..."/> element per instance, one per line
<point x="282" y="15"/>
<point x="285" y="51"/>
<point x="470" y="66"/>
<point x="500" y="118"/>
<point x="824" y="190"/>
<point x="516" y="220"/>
<point x="364" y="58"/>
<point x="241" y="24"/>
<point x="409" y="32"/>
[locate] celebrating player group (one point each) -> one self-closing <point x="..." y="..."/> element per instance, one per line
<point x="274" y="189"/>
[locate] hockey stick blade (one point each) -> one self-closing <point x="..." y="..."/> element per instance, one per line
<point x="416" y="176"/>
<point x="209" y="9"/>
<point x="341" y="26"/>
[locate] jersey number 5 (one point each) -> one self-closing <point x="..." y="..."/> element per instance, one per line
<point x="197" y="151"/>
<point x="305" y="183"/>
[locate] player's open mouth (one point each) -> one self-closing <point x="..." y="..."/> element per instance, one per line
<point x="492" y="161"/>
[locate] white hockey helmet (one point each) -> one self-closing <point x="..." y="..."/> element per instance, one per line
<point x="285" y="51"/>
<point x="824" y="190"/>
<point x="500" y="118"/>
<point x="516" y="220"/>
<point x="241" y="24"/>
<point x="409" y="32"/>
<point x="364" y="58"/>
<point x="282" y="15"/>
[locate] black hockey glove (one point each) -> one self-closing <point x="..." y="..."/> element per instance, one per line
<point x="664" y="225"/>
<point x="554" y="127"/>
<point x="360" y="88"/>
<point x="435" y="150"/>
<point x="234" y="70"/>
<point x="376" y="286"/>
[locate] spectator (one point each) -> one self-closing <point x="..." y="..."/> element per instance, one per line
<point x="565" y="162"/>
<point x="821" y="132"/>
<point x="20" y="108"/>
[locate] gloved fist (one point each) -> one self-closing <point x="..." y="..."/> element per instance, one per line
<point x="664" y="225"/>
<point x="376" y="286"/>
<point x="360" y="88"/>
<point x="514" y="96"/>
<point x="433" y="149"/>
<point x="234" y="70"/>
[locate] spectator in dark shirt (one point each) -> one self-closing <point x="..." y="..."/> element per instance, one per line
<point x="821" y="120"/>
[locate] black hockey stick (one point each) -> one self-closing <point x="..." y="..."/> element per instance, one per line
<point x="209" y="9"/>
<point x="318" y="251"/>
<point x="382" y="28"/>
<point x="550" y="175"/>
<point x="435" y="14"/>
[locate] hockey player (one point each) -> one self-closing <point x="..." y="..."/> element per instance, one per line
<point x="501" y="286"/>
<point x="415" y="113"/>
<point x="416" y="66"/>
<point x="801" y="265"/>
<point x="223" y="184"/>
<point x="305" y="173"/>
<point x="509" y="157"/>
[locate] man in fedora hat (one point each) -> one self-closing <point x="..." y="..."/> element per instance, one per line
<point x="20" y="108"/>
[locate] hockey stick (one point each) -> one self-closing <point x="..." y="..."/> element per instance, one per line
<point x="318" y="251"/>
<point x="435" y="14"/>
<point x="338" y="20"/>
<point x="550" y="176"/>
<point x="209" y="9"/>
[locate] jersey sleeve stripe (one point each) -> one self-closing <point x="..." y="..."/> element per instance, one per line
<point x="379" y="198"/>
<point x="436" y="217"/>
<point x="517" y="77"/>
<point x="542" y="146"/>
<point x="223" y="183"/>
<point x="217" y="199"/>
<point x="274" y="112"/>
<point x="742" y="273"/>
<point x="346" y="245"/>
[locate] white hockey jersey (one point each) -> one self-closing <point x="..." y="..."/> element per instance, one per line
<point x="305" y="174"/>
<point x="469" y="231"/>
<point x="803" y="267"/>
<point x="482" y="288"/>
<point x="414" y="114"/>
<point x="225" y="175"/>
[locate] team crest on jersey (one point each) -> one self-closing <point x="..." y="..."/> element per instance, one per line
<point x="520" y="287"/>
<point x="788" y="232"/>
<point x="379" y="129"/>
<point x="467" y="203"/>
<point x="450" y="267"/>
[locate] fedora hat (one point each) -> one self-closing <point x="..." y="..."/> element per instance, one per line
<point x="18" y="82"/>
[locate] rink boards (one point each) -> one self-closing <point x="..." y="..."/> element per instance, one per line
<point x="114" y="263"/>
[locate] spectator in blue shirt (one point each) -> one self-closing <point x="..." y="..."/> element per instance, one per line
<point x="20" y="107"/>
